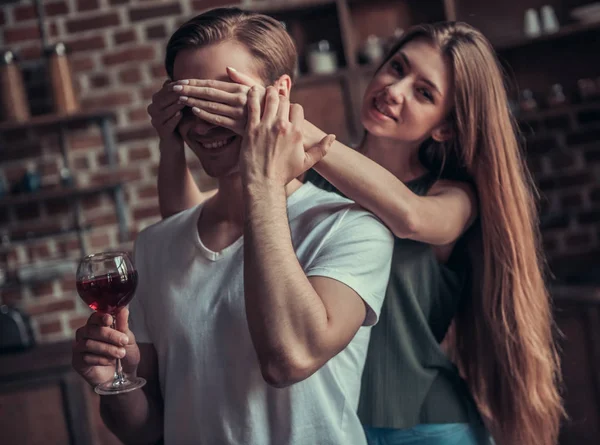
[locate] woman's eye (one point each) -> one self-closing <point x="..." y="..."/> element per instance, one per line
<point x="426" y="94"/>
<point x="397" y="66"/>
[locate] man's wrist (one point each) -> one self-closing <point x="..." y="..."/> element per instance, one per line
<point x="167" y="147"/>
<point x="258" y="188"/>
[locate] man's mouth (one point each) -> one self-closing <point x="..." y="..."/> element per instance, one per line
<point x="215" y="144"/>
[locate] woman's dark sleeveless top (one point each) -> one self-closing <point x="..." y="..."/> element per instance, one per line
<point x="407" y="378"/>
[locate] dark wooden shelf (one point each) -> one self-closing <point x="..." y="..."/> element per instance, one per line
<point x="19" y="236"/>
<point x="15" y="283"/>
<point x="558" y="111"/>
<point x="576" y="293"/>
<point x="342" y="73"/>
<point x="61" y="193"/>
<point x="564" y="31"/>
<point x="305" y="79"/>
<point x="49" y="120"/>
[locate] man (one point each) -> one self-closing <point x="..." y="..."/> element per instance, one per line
<point x="252" y="310"/>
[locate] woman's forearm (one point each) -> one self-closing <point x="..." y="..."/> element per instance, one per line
<point x="366" y="182"/>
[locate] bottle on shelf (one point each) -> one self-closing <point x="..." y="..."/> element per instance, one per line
<point x="557" y="96"/>
<point x="532" y="26"/>
<point x="65" y="100"/>
<point x="13" y="99"/>
<point x="527" y="101"/>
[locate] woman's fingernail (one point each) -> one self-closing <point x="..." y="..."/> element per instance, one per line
<point x="183" y="99"/>
<point x="124" y="341"/>
<point x="196" y="110"/>
<point x="177" y="88"/>
<point x="231" y="68"/>
<point x="121" y="353"/>
<point x="183" y="82"/>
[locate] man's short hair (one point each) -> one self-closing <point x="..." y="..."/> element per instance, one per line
<point x="265" y="38"/>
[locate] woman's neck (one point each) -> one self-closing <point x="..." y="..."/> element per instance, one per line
<point x="401" y="159"/>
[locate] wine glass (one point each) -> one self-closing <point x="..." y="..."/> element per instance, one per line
<point x="107" y="281"/>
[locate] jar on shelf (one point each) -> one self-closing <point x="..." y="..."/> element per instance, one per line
<point x="372" y="51"/>
<point x="321" y="59"/>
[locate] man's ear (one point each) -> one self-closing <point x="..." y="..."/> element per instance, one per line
<point x="284" y="85"/>
<point x="443" y="132"/>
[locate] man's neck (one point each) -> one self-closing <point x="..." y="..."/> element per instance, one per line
<point x="227" y="204"/>
<point x="222" y="219"/>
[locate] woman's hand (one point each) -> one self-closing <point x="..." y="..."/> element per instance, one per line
<point x="165" y="114"/>
<point x="220" y="103"/>
<point x="272" y="147"/>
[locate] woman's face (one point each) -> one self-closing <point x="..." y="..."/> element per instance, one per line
<point x="410" y="97"/>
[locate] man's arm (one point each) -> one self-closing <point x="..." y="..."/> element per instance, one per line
<point x="136" y="417"/>
<point x="296" y="323"/>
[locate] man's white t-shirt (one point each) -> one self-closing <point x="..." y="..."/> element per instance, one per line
<point x="190" y="305"/>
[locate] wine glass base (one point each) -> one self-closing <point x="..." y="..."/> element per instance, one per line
<point x="119" y="386"/>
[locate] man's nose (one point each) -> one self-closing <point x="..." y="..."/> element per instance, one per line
<point x="202" y="127"/>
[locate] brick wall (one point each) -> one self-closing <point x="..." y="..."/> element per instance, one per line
<point x="116" y="54"/>
<point x="563" y="152"/>
<point x="117" y="49"/>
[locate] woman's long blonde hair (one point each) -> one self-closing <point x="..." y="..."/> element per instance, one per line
<point x="502" y="339"/>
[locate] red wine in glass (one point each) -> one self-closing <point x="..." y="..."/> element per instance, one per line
<point x="107" y="293"/>
<point x="107" y="282"/>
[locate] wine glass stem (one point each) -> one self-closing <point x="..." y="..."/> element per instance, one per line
<point x="119" y="376"/>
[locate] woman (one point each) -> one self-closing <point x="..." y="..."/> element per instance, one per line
<point x="441" y="166"/>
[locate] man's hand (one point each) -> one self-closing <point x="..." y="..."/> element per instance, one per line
<point x="272" y="148"/>
<point x="165" y="114"/>
<point x="97" y="346"/>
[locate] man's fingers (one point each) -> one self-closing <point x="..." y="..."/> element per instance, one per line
<point x="97" y="360"/>
<point x="100" y="319"/>
<point x="167" y="113"/>
<point x="105" y="334"/>
<point x="297" y="115"/>
<point x="122" y="320"/>
<point x="283" y="112"/>
<point x="271" y="105"/>
<point x="89" y="346"/>
<point x="317" y="152"/>
<point x="253" y="107"/>
<point x="164" y="97"/>
<point x="172" y="122"/>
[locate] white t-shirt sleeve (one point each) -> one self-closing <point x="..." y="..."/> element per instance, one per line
<point x="358" y="253"/>
<point x="137" y="320"/>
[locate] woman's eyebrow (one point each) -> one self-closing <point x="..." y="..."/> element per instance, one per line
<point x="406" y="61"/>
